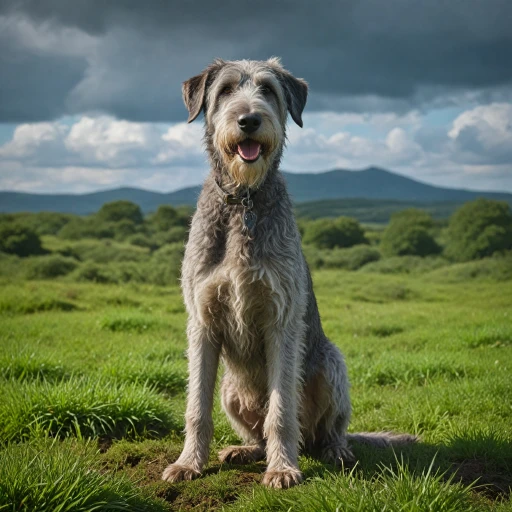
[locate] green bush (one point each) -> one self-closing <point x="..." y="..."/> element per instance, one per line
<point x="141" y="240"/>
<point x="10" y="265"/>
<point x="352" y="258"/>
<point x="497" y="268"/>
<point x="94" y="272"/>
<point x="409" y="233"/>
<point x="120" y="210"/>
<point x="330" y="233"/>
<point x="84" y="227"/>
<point x="165" y="267"/>
<point x="106" y="251"/>
<point x="123" y="229"/>
<point x="405" y="265"/>
<point x="172" y="235"/>
<point x="50" y="266"/>
<point x="43" y="223"/>
<point x="19" y="240"/>
<point x="164" y="218"/>
<point x="478" y="229"/>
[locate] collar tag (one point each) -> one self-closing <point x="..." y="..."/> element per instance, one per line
<point x="231" y="199"/>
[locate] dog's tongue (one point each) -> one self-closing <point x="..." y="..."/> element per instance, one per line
<point x="249" y="149"/>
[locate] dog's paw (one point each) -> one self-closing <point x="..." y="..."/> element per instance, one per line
<point x="338" y="456"/>
<point x="282" y="479"/>
<point x="241" y="454"/>
<point x="178" y="473"/>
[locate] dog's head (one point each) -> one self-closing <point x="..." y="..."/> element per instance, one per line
<point x="246" y="104"/>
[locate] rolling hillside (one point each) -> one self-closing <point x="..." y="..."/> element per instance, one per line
<point x="372" y="184"/>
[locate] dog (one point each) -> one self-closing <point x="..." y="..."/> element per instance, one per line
<point x="248" y="290"/>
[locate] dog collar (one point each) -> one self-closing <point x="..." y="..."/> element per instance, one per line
<point x="249" y="218"/>
<point x="233" y="199"/>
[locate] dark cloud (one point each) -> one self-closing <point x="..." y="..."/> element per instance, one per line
<point x="356" y="55"/>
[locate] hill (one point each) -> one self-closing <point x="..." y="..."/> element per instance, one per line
<point x="372" y="184"/>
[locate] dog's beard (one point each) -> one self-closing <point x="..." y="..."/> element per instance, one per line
<point x="245" y="174"/>
<point x="248" y="174"/>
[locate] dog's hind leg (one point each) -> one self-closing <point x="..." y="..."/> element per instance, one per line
<point x="330" y="438"/>
<point x="247" y="423"/>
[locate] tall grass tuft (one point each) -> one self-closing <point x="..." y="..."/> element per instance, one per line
<point x="83" y="407"/>
<point x="393" y="489"/>
<point x="56" y="477"/>
<point x="26" y="366"/>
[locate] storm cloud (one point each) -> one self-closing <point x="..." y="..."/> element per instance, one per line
<point x="128" y="59"/>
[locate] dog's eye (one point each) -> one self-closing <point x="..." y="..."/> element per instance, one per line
<point x="226" y="90"/>
<point x="265" y="89"/>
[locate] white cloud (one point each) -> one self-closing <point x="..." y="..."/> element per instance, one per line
<point x="483" y="135"/>
<point x="99" y="152"/>
<point x="472" y="150"/>
<point x="33" y="139"/>
<point x="179" y="140"/>
<point x="103" y="140"/>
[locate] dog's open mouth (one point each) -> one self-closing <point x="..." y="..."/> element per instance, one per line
<point x="249" y="150"/>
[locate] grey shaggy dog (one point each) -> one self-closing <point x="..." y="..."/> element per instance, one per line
<point x="248" y="290"/>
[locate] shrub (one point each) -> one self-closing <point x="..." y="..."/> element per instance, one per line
<point x="141" y="240"/>
<point x="173" y="235"/>
<point x="84" y="227"/>
<point x="19" y="240"/>
<point x="352" y="258"/>
<point x="497" y="268"/>
<point x="106" y="251"/>
<point x="94" y="272"/>
<point x="405" y="265"/>
<point x="165" y="264"/>
<point x="165" y="218"/>
<point x="330" y="233"/>
<point x="120" y="210"/>
<point x="43" y="223"/>
<point x="122" y="229"/>
<point x="50" y="266"/>
<point x="9" y="265"/>
<point x="478" y="229"/>
<point x="409" y="233"/>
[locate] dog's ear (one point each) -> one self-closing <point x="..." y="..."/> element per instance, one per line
<point x="296" y="92"/>
<point x="194" y="89"/>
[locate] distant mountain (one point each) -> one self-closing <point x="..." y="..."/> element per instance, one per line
<point x="372" y="183"/>
<point x="375" y="183"/>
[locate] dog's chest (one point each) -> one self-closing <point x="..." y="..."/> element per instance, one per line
<point x="237" y="301"/>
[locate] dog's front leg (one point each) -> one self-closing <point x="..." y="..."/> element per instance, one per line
<point x="203" y="360"/>
<point x="281" y="426"/>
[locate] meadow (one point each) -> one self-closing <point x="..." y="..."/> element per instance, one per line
<point x="93" y="382"/>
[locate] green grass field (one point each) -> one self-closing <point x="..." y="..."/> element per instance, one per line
<point x="93" y="380"/>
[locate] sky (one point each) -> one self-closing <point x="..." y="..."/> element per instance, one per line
<point x="90" y="90"/>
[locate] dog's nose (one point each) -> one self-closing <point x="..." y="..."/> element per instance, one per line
<point x="249" y="122"/>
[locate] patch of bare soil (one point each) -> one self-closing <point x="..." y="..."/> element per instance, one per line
<point x="491" y="484"/>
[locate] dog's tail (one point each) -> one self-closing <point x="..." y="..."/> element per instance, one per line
<point x="382" y="439"/>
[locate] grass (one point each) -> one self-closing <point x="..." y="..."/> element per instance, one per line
<point x="57" y="477"/>
<point x="81" y="407"/>
<point x="428" y="350"/>
<point x="395" y="488"/>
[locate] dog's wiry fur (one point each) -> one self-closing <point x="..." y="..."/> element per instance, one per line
<point x="250" y="298"/>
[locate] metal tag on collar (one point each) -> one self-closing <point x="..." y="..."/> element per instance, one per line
<point x="249" y="217"/>
<point x="231" y="199"/>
